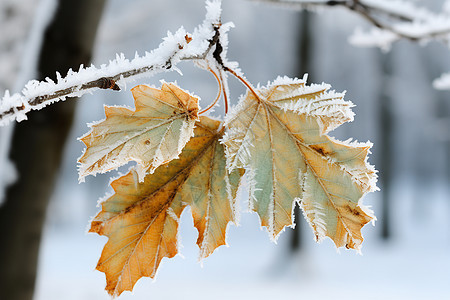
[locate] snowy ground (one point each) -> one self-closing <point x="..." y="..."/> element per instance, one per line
<point x="414" y="265"/>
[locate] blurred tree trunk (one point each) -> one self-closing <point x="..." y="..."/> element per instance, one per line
<point x="37" y="147"/>
<point x="439" y="162"/>
<point x="303" y="65"/>
<point x="386" y="135"/>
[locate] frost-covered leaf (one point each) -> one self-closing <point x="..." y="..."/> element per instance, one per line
<point x="329" y="107"/>
<point x="141" y="219"/>
<point x="280" y="137"/>
<point x="210" y="190"/>
<point x="152" y="135"/>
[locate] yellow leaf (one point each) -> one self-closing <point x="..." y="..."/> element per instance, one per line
<point x="279" y="136"/>
<point x="141" y="219"/>
<point x="152" y="135"/>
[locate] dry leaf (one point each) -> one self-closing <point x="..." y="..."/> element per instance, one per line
<point x="141" y="219"/>
<point x="152" y="135"/>
<point x="328" y="107"/>
<point x="280" y="137"/>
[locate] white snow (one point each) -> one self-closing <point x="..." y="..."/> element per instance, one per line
<point x="404" y="18"/>
<point x="171" y="51"/>
<point x="424" y="28"/>
<point x="402" y="8"/>
<point x="443" y="82"/>
<point x="154" y="60"/>
<point x="375" y="37"/>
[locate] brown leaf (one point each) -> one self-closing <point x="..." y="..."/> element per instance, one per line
<point x="152" y="135"/>
<point x="141" y="219"/>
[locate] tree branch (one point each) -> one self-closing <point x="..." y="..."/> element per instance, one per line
<point x="175" y="48"/>
<point x="395" y="21"/>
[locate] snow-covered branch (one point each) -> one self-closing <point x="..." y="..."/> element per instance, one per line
<point x="174" y="48"/>
<point x="392" y="20"/>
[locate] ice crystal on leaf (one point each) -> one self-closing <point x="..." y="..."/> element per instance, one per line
<point x="141" y="218"/>
<point x="152" y="135"/>
<point x="279" y="133"/>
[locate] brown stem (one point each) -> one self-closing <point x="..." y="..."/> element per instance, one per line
<point x="225" y="96"/>
<point x="245" y="82"/>
<point x="219" y="92"/>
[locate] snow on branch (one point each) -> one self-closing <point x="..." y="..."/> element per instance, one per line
<point x="401" y="20"/>
<point x="392" y="20"/>
<point x="443" y="82"/>
<point x="174" y="48"/>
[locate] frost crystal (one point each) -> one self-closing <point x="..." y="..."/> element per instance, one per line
<point x="411" y="21"/>
<point x="174" y="48"/>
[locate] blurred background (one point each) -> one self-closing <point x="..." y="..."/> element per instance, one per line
<point x="405" y="256"/>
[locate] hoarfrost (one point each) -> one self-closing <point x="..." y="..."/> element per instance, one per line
<point x="315" y="220"/>
<point x="404" y="19"/>
<point x="174" y="48"/>
<point x="205" y="242"/>
<point x="328" y="106"/>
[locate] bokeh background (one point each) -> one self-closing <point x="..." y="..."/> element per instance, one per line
<point x="405" y="256"/>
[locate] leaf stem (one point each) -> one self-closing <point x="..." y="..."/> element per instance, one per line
<point x="245" y="82"/>
<point x="219" y="92"/>
<point x="225" y="96"/>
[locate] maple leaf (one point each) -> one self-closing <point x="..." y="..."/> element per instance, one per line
<point x="141" y="219"/>
<point x="279" y="135"/>
<point x="152" y="135"/>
